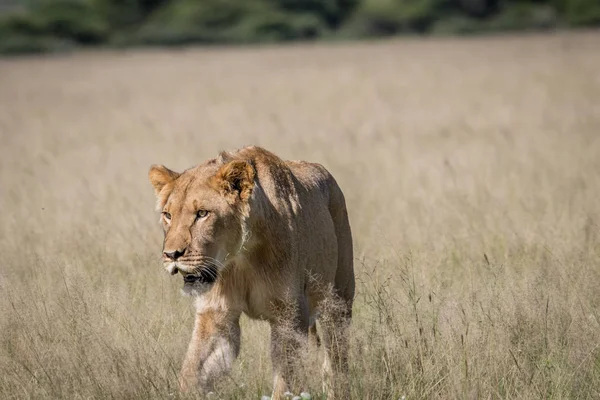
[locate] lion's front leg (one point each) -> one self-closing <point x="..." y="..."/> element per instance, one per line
<point x="289" y="335"/>
<point x="214" y="346"/>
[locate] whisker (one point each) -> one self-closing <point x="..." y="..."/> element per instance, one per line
<point x="214" y="260"/>
<point x="206" y="269"/>
<point x="213" y="264"/>
<point x="202" y="259"/>
<point x="211" y="270"/>
<point x="205" y="266"/>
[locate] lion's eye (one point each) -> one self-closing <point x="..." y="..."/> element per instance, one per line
<point x="201" y="214"/>
<point x="167" y="216"/>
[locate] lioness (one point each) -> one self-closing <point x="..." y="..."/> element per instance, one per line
<point x="251" y="233"/>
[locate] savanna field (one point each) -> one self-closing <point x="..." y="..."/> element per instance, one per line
<point x="471" y="169"/>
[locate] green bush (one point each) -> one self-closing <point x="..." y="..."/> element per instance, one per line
<point x="476" y="8"/>
<point x="387" y="17"/>
<point x="21" y="24"/>
<point x="331" y="12"/>
<point x="457" y="25"/>
<point x="119" y="14"/>
<point x="210" y="14"/>
<point x="185" y="21"/>
<point x="126" y="14"/>
<point x="23" y="44"/>
<point x="581" y="12"/>
<point x="43" y="24"/>
<point x="523" y="16"/>
<point x="71" y="19"/>
<point x="154" y="35"/>
<point x="278" y="26"/>
<point x="226" y="21"/>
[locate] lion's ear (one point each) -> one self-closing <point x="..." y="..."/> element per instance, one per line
<point x="160" y="176"/>
<point x="236" y="178"/>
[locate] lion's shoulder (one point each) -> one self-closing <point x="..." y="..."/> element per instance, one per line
<point x="310" y="183"/>
<point x="311" y="174"/>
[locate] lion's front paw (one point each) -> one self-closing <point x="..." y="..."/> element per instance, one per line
<point x="187" y="384"/>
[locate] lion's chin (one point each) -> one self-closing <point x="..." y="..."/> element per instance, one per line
<point x="172" y="268"/>
<point x="195" y="288"/>
<point x="194" y="284"/>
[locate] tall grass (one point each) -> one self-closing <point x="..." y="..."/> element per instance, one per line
<point x="471" y="170"/>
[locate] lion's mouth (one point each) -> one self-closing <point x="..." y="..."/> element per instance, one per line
<point x="207" y="276"/>
<point x="190" y="278"/>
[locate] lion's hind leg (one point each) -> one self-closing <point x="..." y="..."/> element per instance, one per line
<point x="335" y="321"/>
<point x="313" y="334"/>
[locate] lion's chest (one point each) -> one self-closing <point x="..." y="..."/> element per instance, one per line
<point x="257" y="302"/>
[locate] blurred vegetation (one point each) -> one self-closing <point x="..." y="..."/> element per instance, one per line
<point x="54" y="25"/>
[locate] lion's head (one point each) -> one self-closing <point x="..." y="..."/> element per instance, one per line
<point x="203" y="213"/>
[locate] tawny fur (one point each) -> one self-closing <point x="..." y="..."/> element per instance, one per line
<point x="278" y="234"/>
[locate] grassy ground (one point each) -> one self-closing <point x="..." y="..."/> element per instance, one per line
<point x="472" y="173"/>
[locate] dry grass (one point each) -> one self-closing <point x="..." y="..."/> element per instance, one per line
<point x="472" y="173"/>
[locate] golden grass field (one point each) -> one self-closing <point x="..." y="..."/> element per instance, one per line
<point x="471" y="169"/>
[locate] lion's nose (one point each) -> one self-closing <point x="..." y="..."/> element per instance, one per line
<point x="174" y="255"/>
